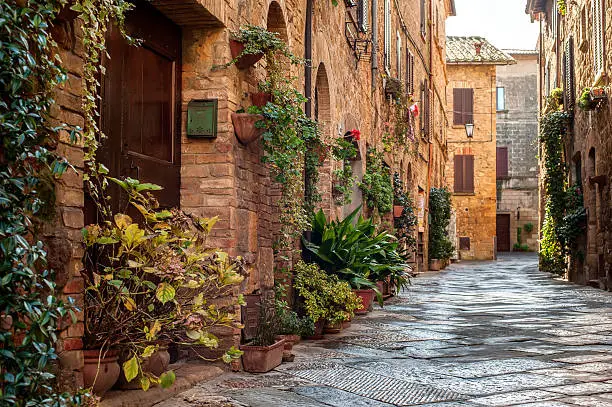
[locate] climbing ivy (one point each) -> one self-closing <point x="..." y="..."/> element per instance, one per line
<point x="440" y="246"/>
<point x="376" y="185"/>
<point x="406" y="223"/>
<point x="553" y="126"/>
<point x="31" y="310"/>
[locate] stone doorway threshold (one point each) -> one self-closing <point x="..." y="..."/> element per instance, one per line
<point x="187" y="375"/>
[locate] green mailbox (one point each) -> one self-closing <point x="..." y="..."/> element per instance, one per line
<point x="202" y="118"/>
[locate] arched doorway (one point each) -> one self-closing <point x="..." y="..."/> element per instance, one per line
<point x="276" y="21"/>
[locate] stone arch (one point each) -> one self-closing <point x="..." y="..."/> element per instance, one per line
<point x="322" y="101"/>
<point x="276" y="21"/>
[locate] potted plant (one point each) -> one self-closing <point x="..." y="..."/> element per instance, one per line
<point x="248" y="126"/>
<point x="100" y="370"/>
<point x="435" y="264"/>
<point x="265" y="351"/>
<point x="591" y="98"/>
<point x="263" y="95"/>
<point x="440" y="246"/>
<point x="151" y="281"/>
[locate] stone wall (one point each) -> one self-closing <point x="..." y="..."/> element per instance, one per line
<point x="589" y="144"/>
<point x="517" y="129"/>
<point x="476" y="213"/>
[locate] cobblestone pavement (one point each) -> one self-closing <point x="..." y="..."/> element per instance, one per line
<point x="478" y="334"/>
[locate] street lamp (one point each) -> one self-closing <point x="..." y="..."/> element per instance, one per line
<point x="469" y="130"/>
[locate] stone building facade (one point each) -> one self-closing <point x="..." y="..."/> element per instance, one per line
<point x="219" y="176"/>
<point x="472" y="63"/>
<point x="517" y="162"/>
<point x="575" y="54"/>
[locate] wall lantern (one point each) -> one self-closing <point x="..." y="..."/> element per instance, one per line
<point x="469" y="130"/>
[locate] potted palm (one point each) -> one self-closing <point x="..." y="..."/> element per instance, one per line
<point x="265" y="351"/>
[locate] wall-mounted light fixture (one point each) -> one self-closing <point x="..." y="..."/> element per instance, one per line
<point x="469" y="130"/>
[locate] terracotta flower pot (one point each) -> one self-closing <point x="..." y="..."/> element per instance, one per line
<point x="236" y="48"/>
<point x="332" y="328"/>
<point x="367" y="297"/>
<point x="435" y="265"/>
<point x="381" y="286"/>
<point x="346" y="324"/>
<point x="245" y="128"/>
<point x="261" y="359"/>
<point x="260" y="99"/>
<point x="397" y="211"/>
<point x="157" y="364"/>
<point x="100" y="373"/>
<point x="318" y="331"/>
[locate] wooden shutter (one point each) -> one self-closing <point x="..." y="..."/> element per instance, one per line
<point x="502" y="162"/>
<point x="426" y="108"/>
<point x="457" y="106"/>
<point x="362" y="15"/>
<point x="463" y="106"/>
<point x="409" y="71"/>
<point x="468" y="106"/>
<point x="468" y="174"/>
<point x="598" y="36"/>
<point x="423" y="19"/>
<point x="569" y="95"/>
<point x="458" y="166"/>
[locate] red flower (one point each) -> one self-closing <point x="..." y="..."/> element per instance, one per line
<point x="356" y="134"/>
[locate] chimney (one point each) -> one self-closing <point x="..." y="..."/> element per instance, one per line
<point x="478" y="46"/>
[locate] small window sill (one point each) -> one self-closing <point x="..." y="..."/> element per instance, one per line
<point x="458" y="126"/>
<point x="503" y="111"/>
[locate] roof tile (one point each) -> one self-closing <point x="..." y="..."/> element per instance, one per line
<point x="462" y="50"/>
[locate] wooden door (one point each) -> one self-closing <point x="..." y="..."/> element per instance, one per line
<point x="503" y="232"/>
<point x="141" y="103"/>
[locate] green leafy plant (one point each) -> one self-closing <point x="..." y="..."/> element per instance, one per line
<point x="343" y="150"/>
<point x="574" y="221"/>
<point x="269" y="326"/>
<point x="290" y="322"/>
<point x="376" y="185"/>
<point x="586" y="101"/>
<point x="353" y="250"/>
<point x="528" y="227"/>
<point x="155" y="280"/>
<point x="562" y="7"/>
<point x="519" y="246"/>
<point x="406" y="223"/>
<point x="325" y="296"/>
<point x="440" y="246"/>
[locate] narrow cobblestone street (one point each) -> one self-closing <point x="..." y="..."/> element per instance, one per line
<point x="479" y="334"/>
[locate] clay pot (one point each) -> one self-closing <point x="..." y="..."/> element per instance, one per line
<point x="236" y="48"/>
<point x="332" y="328"/>
<point x="367" y="297"/>
<point x="260" y="99"/>
<point x="245" y="128"/>
<point x="157" y="364"/>
<point x="100" y="373"/>
<point x="397" y="211"/>
<point x="435" y="265"/>
<point x="318" y="332"/>
<point x="346" y="324"/>
<point x="262" y="359"/>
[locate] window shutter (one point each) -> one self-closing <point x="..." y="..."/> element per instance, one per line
<point x="468" y="175"/>
<point x="457" y="106"/>
<point x="569" y="95"/>
<point x="598" y="38"/>
<point x="468" y="106"/>
<point x="423" y="19"/>
<point x="398" y="50"/>
<point x="362" y="15"/>
<point x="458" y="165"/>
<point x="426" y="108"/>
<point x="502" y="162"/>
<point x="387" y="38"/>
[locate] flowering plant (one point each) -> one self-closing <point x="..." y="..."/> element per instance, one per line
<point x="355" y="134"/>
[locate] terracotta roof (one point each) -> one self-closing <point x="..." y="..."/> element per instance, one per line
<point x="521" y="51"/>
<point x="463" y="50"/>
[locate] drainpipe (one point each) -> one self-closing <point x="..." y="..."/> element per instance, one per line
<point x="374" y="43"/>
<point x="308" y="58"/>
<point x="431" y="120"/>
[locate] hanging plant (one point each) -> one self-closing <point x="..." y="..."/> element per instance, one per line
<point x="407" y="221"/>
<point x="344" y="150"/>
<point x="376" y="185"/>
<point x="562" y="7"/>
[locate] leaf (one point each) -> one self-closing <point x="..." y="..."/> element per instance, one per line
<point x="122" y="221"/>
<point x="129" y="303"/>
<point x="241" y="300"/>
<point x="130" y="368"/>
<point x="161" y="215"/>
<point x="155" y="328"/>
<point x="107" y="240"/>
<point x="148" y="351"/>
<point x="165" y="292"/>
<point x="193" y="334"/>
<point x="167" y="379"/>
<point x="133" y="235"/>
<point x="147" y="187"/>
<point x="145" y="383"/>
<point x="134" y="264"/>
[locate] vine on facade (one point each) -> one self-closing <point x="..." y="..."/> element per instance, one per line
<point x="406" y="223"/>
<point x="376" y="184"/>
<point x="344" y="150"/>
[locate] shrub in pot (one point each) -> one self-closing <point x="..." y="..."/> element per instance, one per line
<point x="440" y="246"/>
<point x="265" y="351"/>
<point x="152" y="280"/>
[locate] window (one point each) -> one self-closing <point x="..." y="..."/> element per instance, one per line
<point x="464" y="243"/>
<point x="399" y="55"/>
<point x="569" y="94"/>
<point x="423" y="19"/>
<point x="502" y="162"/>
<point x="583" y="26"/>
<point x="598" y="37"/>
<point x="425" y="108"/>
<point x="387" y="38"/>
<point x="464" y="173"/>
<point x="362" y="15"/>
<point x="501" y="99"/>
<point x="409" y="72"/>
<point x="463" y="106"/>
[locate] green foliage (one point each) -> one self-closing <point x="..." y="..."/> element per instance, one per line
<point x="290" y="322"/>
<point x="528" y="227"/>
<point x="316" y="153"/>
<point x="519" y="246"/>
<point x="356" y="252"/>
<point x="343" y="150"/>
<point x="31" y="310"/>
<point x="440" y="246"/>
<point x="554" y="102"/>
<point x="406" y="223"/>
<point x="552" y="128"/>
<point x="574" y="221"/>
<point x="376" y="185"/>
<point x="325" y="296"/>
<point x="398" y="133"/>
<point x="562" y="7"/>
<point x="585" y="101"/>
<point x="155" y="280"/>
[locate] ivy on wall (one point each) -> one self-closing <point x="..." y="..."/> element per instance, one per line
<point x="376" y="185"/>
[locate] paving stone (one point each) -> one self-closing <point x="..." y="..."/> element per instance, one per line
<point x="337" y="398"/>
<point x="595" y="367"/>
<point x="495" y="367"/>
<point x="583" y="389"/>
<point x="598" y="357"/>
<point x="523" y="397"/>
<point x="589" y="401"/>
